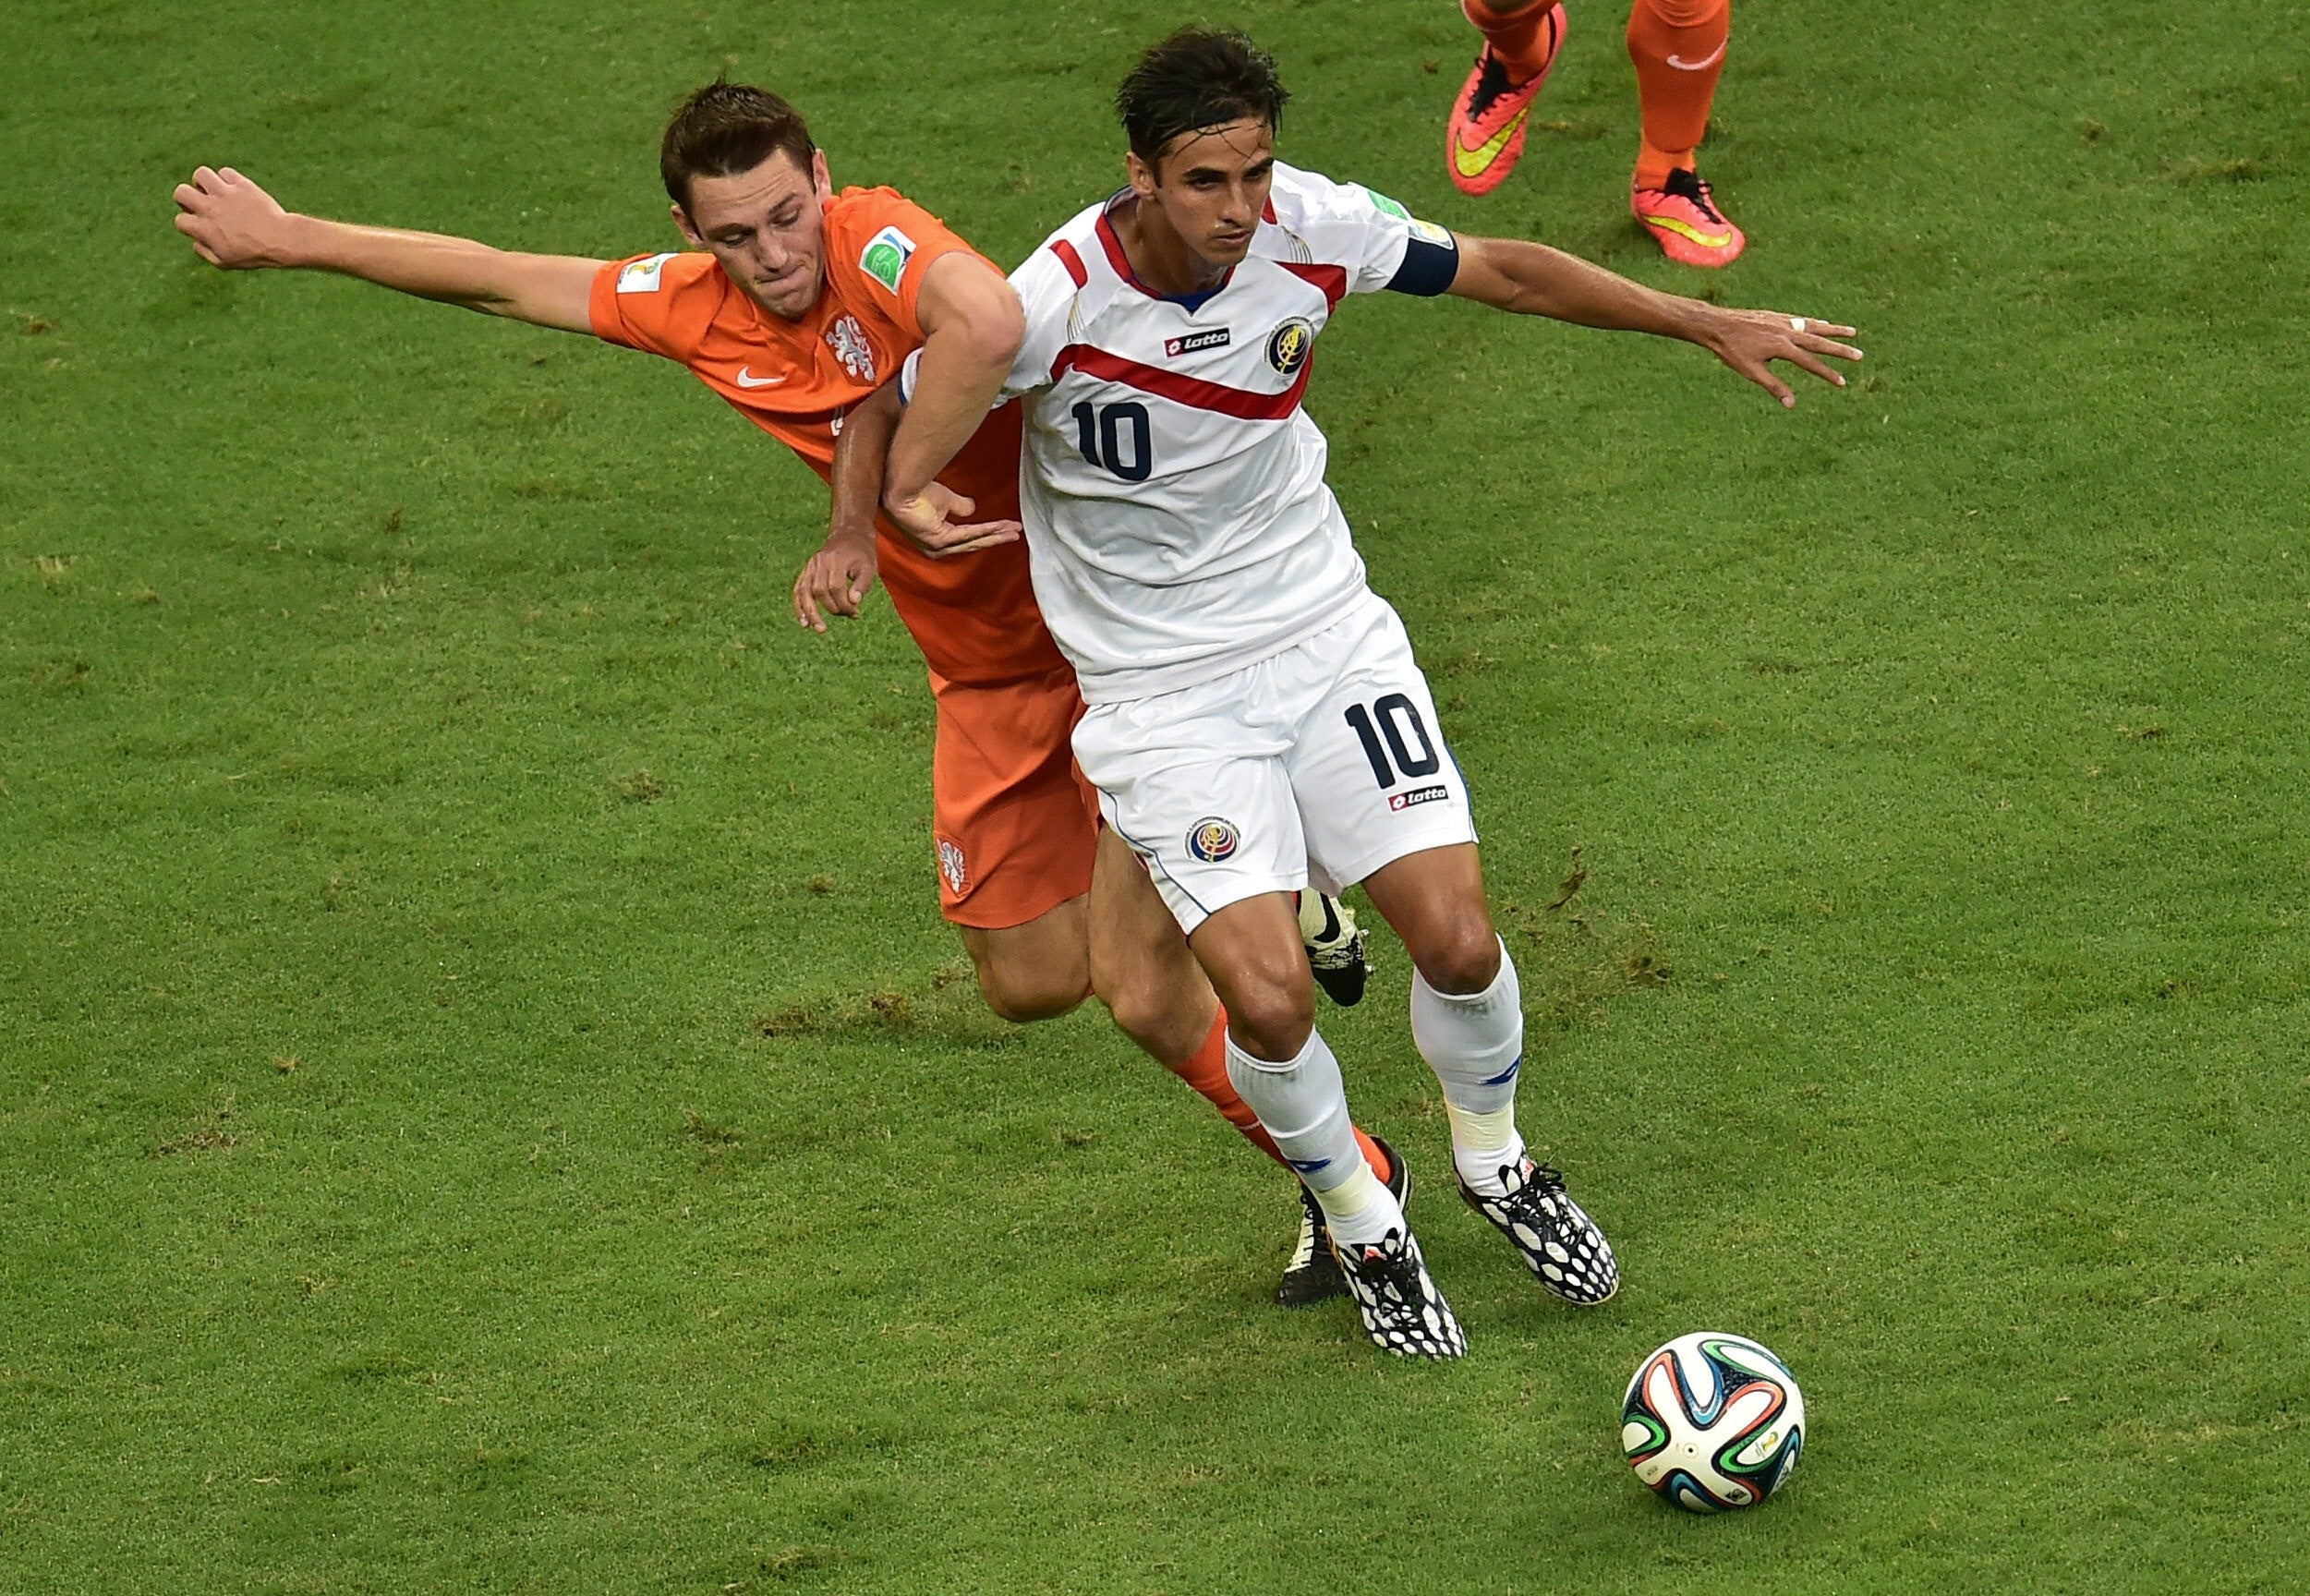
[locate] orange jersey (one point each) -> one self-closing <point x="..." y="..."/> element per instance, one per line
<point x="972" y="615"/>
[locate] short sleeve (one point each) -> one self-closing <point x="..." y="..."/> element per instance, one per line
<point x="1047" y="289"/>
<point x="880" y="243"/>
<point x="1375" y="240"/>
<point x="658" y="304"/>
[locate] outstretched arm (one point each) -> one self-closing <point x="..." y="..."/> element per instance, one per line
<point x="236" y="224"/>
<point x="1533" y="280"/>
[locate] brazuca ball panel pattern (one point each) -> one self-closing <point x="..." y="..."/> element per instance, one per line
<point x="1712" y="1421"/>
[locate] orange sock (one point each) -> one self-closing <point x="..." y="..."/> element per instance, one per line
<point x="1678" y="48"/>
<point x="1381" y="1168"/>
<point x="1206" y="1071"/>
<point x="1521" y="39"/>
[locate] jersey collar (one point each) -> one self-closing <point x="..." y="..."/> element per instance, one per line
<point x="1113" y="243"/>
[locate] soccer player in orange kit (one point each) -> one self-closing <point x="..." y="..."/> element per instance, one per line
<point x="1677" y="47"/>
<point x="794" y="304"/>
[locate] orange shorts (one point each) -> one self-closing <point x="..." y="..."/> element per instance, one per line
<point x="1015" y="822"/>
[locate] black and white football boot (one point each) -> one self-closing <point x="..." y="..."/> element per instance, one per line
<point x="1313" y="1275"/>
<point x="1402" y="1311"/>
<point x="1334" y="948"/>
<point x="1552" y="1233"/>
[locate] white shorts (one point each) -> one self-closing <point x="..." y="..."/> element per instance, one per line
<point x="1315" y="766"/>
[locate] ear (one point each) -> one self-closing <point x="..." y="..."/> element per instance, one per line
<point x="821" y="182"/>
<point x="682" y="223"/>
<point x="1141" y="175"/>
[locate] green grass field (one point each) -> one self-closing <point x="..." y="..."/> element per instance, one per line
<point x="486" y="1098"/>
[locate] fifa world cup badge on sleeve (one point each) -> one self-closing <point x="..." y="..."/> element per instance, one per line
<point x="1212" y="840"/>
<point x="641" y="276"/>
<point x="885" y="256"/>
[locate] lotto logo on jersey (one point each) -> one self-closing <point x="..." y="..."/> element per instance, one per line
<point x="1402" y="801"/>
<point x="885" y="256"/>
<point x="641" y="276"/>
<point x="1212" y="840"/>
<point x="1288" y="345"/>
<point x="1216" y="338"/>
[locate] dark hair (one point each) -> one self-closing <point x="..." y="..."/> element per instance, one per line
<point x="726" y="128"/>
<point x="1198" y="78"/>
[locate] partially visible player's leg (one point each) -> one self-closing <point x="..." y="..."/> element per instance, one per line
<point x="1468" y="1021"/>
<point x="1678" y="49"/>
<point x="1014" y="841"/>
<point x="1194" y="782"/>
<point x="1038" y="971"/>
<point x="1142" y="968"/>
<point x="1146" y="974"/>
<point x="1485" y="133"/>
<point x="1144" y="971"/>
<point x="1252" y="950"/>
<point x="1467" y="1009"/>
<point x="1385" y="805"/>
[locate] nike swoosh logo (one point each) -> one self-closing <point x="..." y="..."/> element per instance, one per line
<point x="1472" y="162"/>
<point x="1686" y="230"/>
<point x="1715" y="56"/>
<point x="747" y="379"/>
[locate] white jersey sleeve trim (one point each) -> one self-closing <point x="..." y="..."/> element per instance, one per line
<point x="1344" y="225"/>
<point x="1049" y="285"/>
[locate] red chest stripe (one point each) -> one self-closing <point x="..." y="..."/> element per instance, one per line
<point x="1331" y="281"/>
<point x="1239" y="403"/>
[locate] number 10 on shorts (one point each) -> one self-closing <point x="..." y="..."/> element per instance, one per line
<point x="1397" y="743"/>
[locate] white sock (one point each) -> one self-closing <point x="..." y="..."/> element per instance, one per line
<point x="1360" y="1209"/>
<point x="1475" y="1045"/>
<point x="1303" y="1103"/>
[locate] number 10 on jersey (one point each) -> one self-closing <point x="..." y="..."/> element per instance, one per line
<point x="1115" y="437"/>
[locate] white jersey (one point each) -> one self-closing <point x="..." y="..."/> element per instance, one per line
<point x="1178" y="520"/>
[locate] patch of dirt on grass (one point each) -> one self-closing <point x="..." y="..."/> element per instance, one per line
<point x="2244" y="169"/>
<point x="714" y="1140"/>
<point x="947" y="1005"/>
<point x="1576" y="958"/>
<point x="211" y="1133"/>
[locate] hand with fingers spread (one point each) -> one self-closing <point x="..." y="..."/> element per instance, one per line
<point x="1749" y="340"/>
<point x="232" y="221"/>
<point x="934" y="521"/>
<point x="836" y="580"/>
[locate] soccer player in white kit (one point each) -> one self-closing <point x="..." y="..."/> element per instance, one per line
<point x="1256" y="720"/>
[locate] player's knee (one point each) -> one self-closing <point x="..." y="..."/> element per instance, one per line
<point x="1465" y="959"/>
<point x="1272" y="1019"/>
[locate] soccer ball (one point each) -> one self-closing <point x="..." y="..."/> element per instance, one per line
<point x="1712" y="1421"/>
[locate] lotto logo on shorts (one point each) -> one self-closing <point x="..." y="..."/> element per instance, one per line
<point x="1417" y="795"/>
<point x="1212" y="840"/>
<point x="951" y="867"/>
